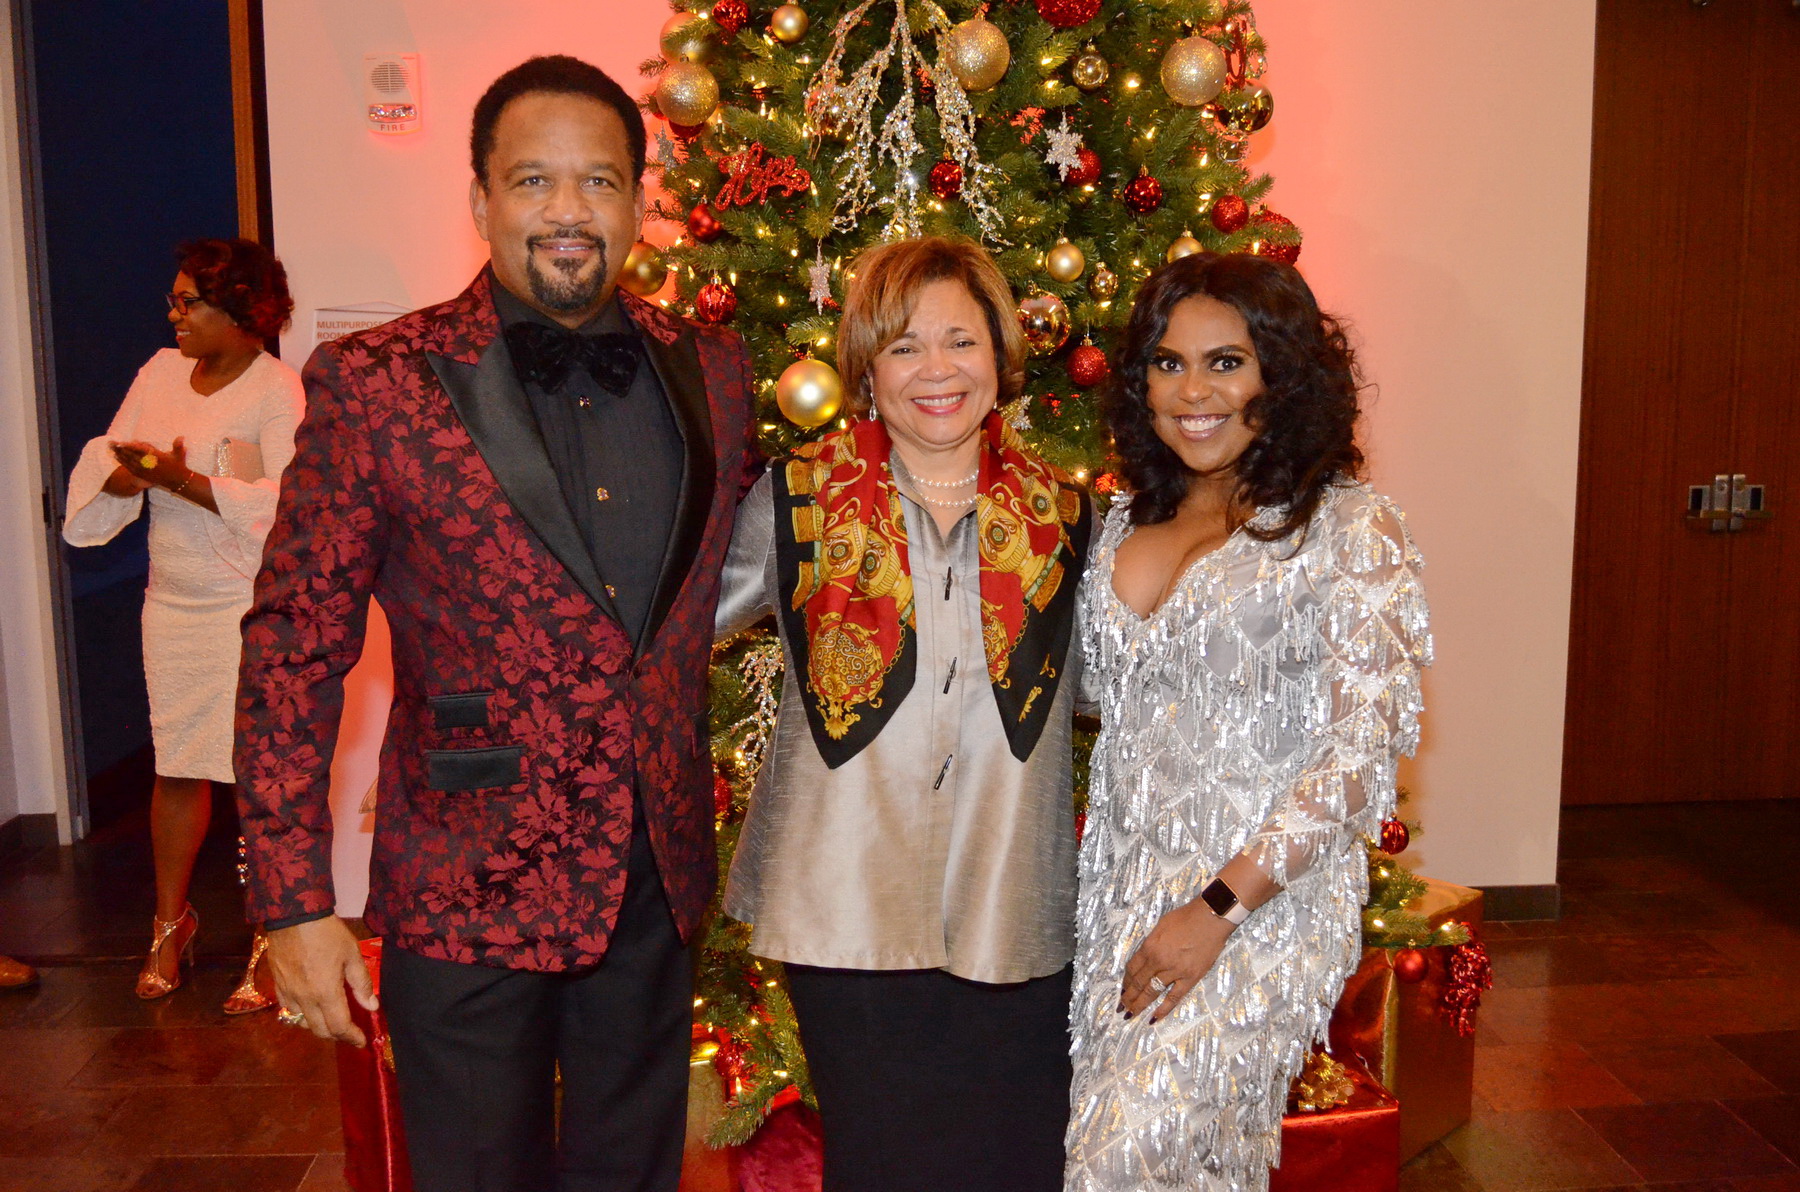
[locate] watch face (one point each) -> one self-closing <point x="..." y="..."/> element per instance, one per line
<point x="1219" y="897"/>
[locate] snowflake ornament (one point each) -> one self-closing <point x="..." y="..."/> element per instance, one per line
<point x="818" y="281"/>
<point x="1065" y="148"/>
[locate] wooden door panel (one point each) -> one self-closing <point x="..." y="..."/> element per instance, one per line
<point x="1763" y="633"/>
<point x="1647" y="647"/>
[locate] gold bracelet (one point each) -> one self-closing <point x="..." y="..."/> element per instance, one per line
<point x="181" y="488"/>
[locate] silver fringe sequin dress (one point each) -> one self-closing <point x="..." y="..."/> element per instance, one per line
<point x="1262" y="707"/>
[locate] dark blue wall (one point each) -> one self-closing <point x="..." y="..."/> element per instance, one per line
<point x="133" y="101"/>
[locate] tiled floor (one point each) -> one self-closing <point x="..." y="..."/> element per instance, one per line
<point x="1650" y="1038"/>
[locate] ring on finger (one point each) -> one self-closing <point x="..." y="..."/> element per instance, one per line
<point x="287" y="1017"/>
<point x="1158" y="984"/>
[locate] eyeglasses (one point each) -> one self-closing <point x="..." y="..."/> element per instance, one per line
<point x="179" y="303"/>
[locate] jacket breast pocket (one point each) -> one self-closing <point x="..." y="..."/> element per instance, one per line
<point x="474" y="769"/>
<point x="465" y="709"/>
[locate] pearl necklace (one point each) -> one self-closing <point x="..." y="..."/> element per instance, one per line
<point x="952" y="503"/>
<point x="971" y="478"/>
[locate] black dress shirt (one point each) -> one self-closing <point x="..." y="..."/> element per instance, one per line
<point x="618" y="460"/>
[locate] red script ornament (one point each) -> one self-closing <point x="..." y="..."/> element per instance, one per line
<point x="752" y="174"/>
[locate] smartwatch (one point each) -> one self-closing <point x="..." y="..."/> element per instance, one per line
<point x="1222" y="901"/>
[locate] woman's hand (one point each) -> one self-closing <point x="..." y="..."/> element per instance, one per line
<point x="163" y="469"/>
<point x="1179" y="950"/>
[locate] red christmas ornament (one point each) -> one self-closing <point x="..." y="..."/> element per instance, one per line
<point x="722" y="795"/>
<point x="946" y="179"/>
<point x="730" y="15"/>
<point x="1080" y="826"/>
<point x="716" y="302"/>
<point x="1143" y="194"/>
<point x="1469" y="975"/>
<point x="1087" y="365"/>
<point x="703" y="225"/>
<point x="1066" y="14"/>
<point x="1106" y="483"/>
<point x="1409" y="965"/>
<point x="686" y="132"/>
<point x="1088" y="172"/>
<point x="1394" y="837"/>
<point x="1285" y="253"/>
<point x="1230" y="213"/>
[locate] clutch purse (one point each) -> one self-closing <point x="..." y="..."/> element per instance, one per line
<point x="238" y="460"/>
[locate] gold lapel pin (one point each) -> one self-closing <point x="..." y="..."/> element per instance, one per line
<point x="600" y="494"/>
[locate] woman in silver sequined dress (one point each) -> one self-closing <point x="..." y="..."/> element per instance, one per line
<point x="1254" y="628"/>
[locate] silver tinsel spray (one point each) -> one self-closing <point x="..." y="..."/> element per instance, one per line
<point x="852" y="103"/>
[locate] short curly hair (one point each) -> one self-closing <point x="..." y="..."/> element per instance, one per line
<point x="241" y="278"/>
<point x="884" y="284"/>
<point x="1304" y="420"/>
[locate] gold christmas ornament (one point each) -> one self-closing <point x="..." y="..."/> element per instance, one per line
<point x="686" y="93"/>
<point x="644" y="271"/>
<point x="977" y="53"/>
<point x="1090" y="70"/>
<point x="1104" y="283"/>
<point x="1247" y="110"/>
<point x="1045" y="321"/>
<point x="1064" y="261"/>
<point x="1193" y="71"/>
<point x="1183" y="245"/>
<point x="685" y="38"/>
<point x="789" y="23"/>
<point x="810" y="393"/>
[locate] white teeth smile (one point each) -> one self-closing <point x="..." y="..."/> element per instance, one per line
<point x="937" y="403"/>
<point x="1201" y="423"/>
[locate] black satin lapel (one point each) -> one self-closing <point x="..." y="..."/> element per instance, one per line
<point x="494" y="409"/>
<point x="677" y="366"/>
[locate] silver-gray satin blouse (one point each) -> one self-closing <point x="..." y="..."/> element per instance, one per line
<point x="934" y="847"/>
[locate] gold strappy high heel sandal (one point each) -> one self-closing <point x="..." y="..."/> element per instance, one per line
<point x="151" y="984"/>
<point x="247" y="998"/>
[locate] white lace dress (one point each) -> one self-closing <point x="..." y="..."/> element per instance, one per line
<point x="1264" y="705"/>
<point x="202" y="564"/>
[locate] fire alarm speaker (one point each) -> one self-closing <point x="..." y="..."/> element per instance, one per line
<point x="391" y="92"/>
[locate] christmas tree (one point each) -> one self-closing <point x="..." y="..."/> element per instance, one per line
<point x="1082" y="142"/>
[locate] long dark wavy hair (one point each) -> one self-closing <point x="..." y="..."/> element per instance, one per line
<point x="1304" y="420"/>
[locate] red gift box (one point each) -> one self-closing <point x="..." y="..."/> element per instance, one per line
<point x="1353" y="1147"/>
<point x="374" y="1143"/>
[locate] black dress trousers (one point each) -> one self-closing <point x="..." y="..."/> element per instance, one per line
<point x="477" y="1051"/>
<point x="930" y="1083"/>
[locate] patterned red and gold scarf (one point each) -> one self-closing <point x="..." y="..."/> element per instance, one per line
<point x="848" y="594"/>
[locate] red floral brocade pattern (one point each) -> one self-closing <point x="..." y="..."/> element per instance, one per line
<point x="388" y="497"/>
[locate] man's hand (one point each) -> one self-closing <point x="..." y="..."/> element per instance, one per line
<point x="1179" y="950"/>
<point x="312" y="963"/>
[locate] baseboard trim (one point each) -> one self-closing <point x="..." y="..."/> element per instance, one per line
<point x="1505" y="904"/>
<point x="21" y="832"/>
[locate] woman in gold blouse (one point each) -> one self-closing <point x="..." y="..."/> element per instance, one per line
<point x="909" y="851"/>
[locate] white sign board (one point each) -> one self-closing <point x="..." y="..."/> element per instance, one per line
<point x="330" y="322"/>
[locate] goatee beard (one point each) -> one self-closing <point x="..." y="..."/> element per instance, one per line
<point x="565" y="291"/>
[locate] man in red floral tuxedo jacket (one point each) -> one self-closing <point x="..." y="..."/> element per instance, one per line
<point x="536" y="479"/>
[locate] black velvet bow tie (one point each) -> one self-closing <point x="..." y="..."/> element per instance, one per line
<point x="547" y="355"/>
